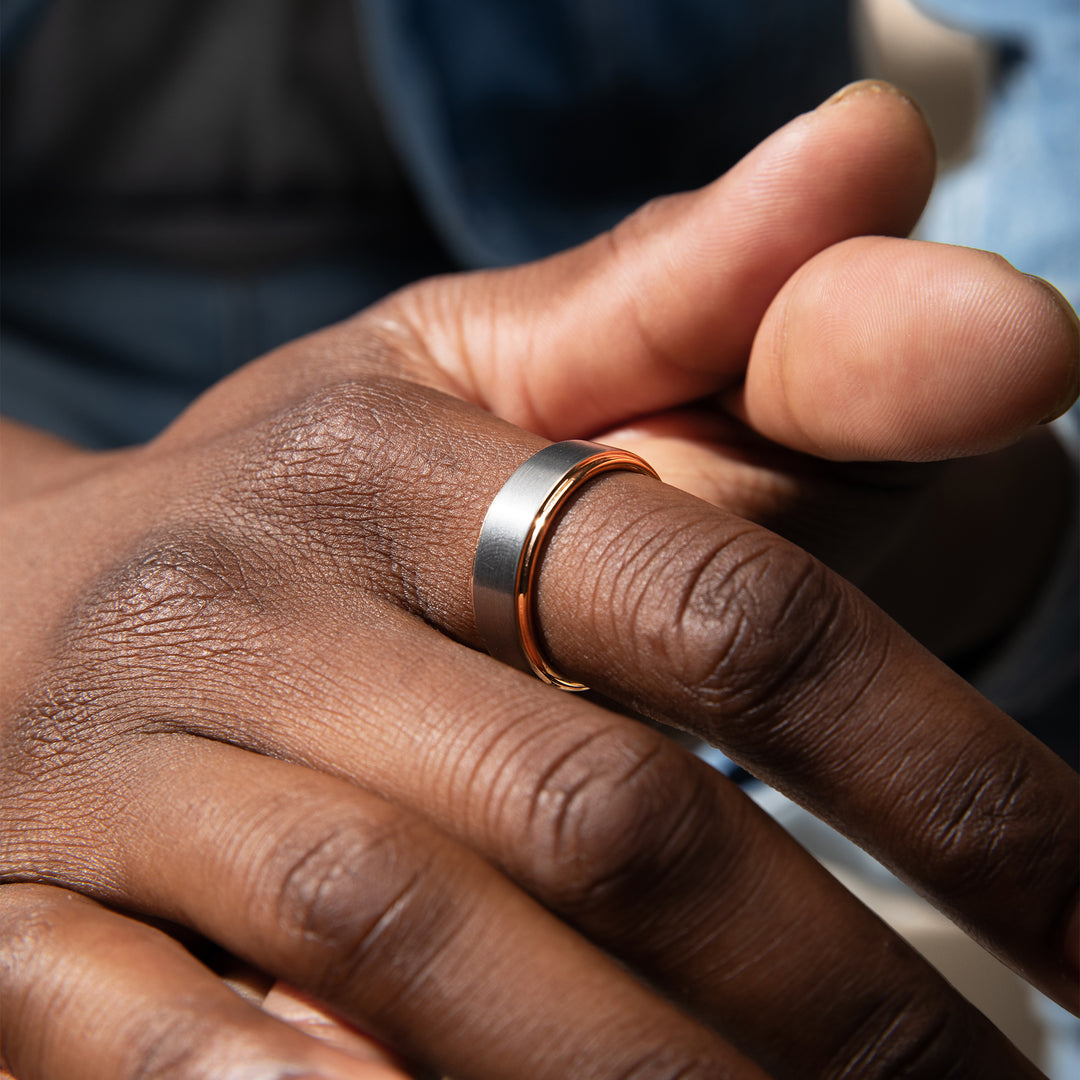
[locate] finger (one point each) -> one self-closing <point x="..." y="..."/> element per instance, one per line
<point x="663" y="308"/>
<point x="924" y="540"/>
<point x="652" y="854"/>
<point x="88" y="993"/>
<point x="881" y="349"/>
<point x="720" y="627"/>
<point x="394" y="926"/>
<point x="848" y="515"/>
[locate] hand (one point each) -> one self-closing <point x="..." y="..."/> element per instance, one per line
<point x="848" y="357"/>
<point x="235" y="703"/>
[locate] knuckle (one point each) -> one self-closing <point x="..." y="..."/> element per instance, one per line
<point x="640" y="226"/>
<point x="173" y="590"/>
<point x="338" y="475"/>
<point x="615" y="816"/>
<point x="361" y="895"/>
<point x="320" y="447"/>
<point x="753" y="616"/>
<point x="345" y="441"/>
<point x="626" y="242"/>
<point x="929" y="1033"/>
<point x="987" y="817"/>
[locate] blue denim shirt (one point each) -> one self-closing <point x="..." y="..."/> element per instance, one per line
<point x="1019" y="194"/>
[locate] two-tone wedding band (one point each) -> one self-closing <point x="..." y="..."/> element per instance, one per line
<point x="512" y="538"/>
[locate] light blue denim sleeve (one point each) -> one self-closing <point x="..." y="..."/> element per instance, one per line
<point x="1020" y="192"/>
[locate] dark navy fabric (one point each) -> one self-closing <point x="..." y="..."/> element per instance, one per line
<point x="529" y="126"/>
<point x="106" y="351"/>
<point x="16" y="19"/>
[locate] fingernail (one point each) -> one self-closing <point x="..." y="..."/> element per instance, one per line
<point x="1074" y="326"/>
<point x="867" y="87"/>
<point x="1062" y="302"/>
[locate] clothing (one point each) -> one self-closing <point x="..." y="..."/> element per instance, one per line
<point x="1019" y="194"/>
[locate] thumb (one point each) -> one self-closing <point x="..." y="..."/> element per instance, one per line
<point x="664" y="307"/>
<point x="883" y="349"/>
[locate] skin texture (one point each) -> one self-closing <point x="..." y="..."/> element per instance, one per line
<point x="243" y="703"/>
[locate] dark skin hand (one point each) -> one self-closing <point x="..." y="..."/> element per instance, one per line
<point x="243" y="695"/>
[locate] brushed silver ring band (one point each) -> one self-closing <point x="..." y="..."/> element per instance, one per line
<point x="511" y="539"/>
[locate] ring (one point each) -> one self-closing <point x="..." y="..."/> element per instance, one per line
<point x="511" y="538"/>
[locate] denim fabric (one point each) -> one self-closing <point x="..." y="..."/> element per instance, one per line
<point x="1020" y="192"/>
<point x="529" y="126"/>
<point x="107" y="350"/>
